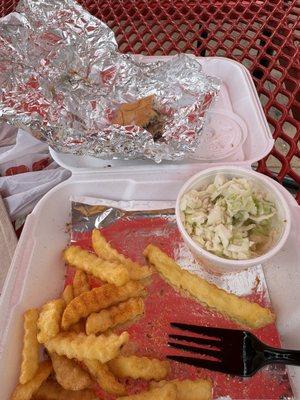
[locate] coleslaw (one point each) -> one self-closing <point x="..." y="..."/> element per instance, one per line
<point x="231" y="218"/>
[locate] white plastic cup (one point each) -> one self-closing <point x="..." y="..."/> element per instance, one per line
<point x="218" y="264"/>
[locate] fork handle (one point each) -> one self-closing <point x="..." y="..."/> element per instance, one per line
<point x="281" y="356"/>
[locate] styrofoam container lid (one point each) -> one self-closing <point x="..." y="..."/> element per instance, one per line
<point x="236" y="131"/>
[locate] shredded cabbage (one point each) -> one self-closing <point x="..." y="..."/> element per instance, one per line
<point x="230" y="217"/>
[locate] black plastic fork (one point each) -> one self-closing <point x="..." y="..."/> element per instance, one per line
<point x="230" y="351"/>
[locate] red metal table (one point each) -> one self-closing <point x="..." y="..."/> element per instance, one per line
<point x="263" y="35"/>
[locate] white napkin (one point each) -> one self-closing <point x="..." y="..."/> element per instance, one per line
<point x="8" y="243"/>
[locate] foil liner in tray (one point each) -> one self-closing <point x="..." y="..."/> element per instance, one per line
<point x="63" y="79"/>
<point x="130" y="226"/>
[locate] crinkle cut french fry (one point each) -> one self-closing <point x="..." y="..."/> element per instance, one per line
<point x="104" y="250"/>
<point x="107" y="271"/>
<point x="25" y="392"/>
<point x="98" y="299"/>
<point x="115" y="315"/>
<point x="79" y="327"/>
<point x="80" y="283"/>
<point x="167" y="392"/>
<point x="50" y="319"/>
<point x="200" y="389"/>
<point x="139" y="368"/>
<point x="68" y="294"/>
<point x="104" y="377"/>
<point x="236" y="308"/>
<point x="69" y="374"/>
<point x="53" y="391"/>
<point x="30" y="352"/>
<point x="81" y="346"/>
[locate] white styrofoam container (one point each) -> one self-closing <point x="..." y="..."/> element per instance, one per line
<point x="237" y="100"/>
<point x="37" y="270"/>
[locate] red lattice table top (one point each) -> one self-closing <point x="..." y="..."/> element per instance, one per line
<point x="263" y="35"/>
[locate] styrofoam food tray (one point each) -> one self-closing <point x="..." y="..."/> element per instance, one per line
<point x="37" y="271"/>
<point x="241" y="132"/>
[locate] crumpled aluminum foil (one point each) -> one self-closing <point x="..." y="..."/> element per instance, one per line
<point x="62" y="78"/>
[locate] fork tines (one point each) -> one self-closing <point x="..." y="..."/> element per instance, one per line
<point x="212" y="341"/>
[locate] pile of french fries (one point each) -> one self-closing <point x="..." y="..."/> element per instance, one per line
<point x="78" y="337"/>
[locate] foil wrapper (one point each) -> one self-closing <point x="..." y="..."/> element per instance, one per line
<point x="130" y="226"/>
<point x="62" y="78"/>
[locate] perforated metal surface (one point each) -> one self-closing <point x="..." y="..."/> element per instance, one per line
<point x="262" y="35"/>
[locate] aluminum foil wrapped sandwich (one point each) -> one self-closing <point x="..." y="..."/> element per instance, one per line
<point x="63" y="79"/>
